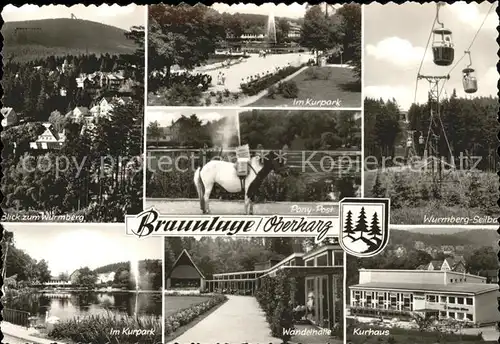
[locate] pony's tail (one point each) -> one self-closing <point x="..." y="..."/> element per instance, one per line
<point x="200" y="188"/>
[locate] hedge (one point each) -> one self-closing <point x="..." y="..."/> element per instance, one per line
<point x="275" y="298"/>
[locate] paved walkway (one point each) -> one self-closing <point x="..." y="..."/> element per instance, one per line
<point x="239" y="320"/>
<point x="17" y="334"/>
<point x="254" y="65"/>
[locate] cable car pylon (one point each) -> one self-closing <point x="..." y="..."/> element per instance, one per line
<point x="436" y="131"/>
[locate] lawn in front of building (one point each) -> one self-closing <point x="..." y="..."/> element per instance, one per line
<point x="320" y="84"/>
<point x="404" y="335"/>
<point x="173" y="304"/>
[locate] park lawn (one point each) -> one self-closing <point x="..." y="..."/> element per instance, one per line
<point x="320" y="83"/>
<point x="173" y="304"/>
<point x="405" y="335"/>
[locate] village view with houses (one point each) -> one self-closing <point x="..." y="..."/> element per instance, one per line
<point x="73" y="122"/>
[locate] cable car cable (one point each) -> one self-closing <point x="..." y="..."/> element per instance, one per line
<point x="423" y="57"/>
<point x="470" y="46"/>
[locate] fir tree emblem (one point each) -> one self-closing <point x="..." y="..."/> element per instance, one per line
<point x="368" y="234"/>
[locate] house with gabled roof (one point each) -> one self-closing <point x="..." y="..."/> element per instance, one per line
<point x="185" y="274"/>
<point x="448" y="264"/>
<point x="49" y="139"/>
<point x="78" y="114"/>
<point x="9" y="117"/>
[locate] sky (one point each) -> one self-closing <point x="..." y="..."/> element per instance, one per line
<point x="67" y="247"/>
<point x="394" y="49"/>
<point x="165" y="116"/>
<point x="123" y="17"/>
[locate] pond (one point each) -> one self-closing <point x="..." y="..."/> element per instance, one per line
<point x="68" y="305"/>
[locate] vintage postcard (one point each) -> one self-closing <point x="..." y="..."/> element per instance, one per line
<point x="250" y="174"/>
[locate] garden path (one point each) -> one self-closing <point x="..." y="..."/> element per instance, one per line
<point x="239" y="320"/>
<point x="255" y="65"/>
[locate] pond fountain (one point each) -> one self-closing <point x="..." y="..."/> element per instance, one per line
<point x="134" y="271"/>
<point x="271" y="30"/>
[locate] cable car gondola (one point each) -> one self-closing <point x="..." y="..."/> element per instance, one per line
<point x="469" y="80"/>
<point x="442" y="43"/>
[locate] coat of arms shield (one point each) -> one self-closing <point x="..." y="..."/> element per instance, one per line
<point x="364" y="225"/>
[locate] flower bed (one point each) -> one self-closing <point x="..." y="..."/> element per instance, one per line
<point x="258" y="83"/>
<point x="198" y="81"/>
<point x="185" y="316"/>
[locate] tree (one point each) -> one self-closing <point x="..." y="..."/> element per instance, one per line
<point x="348" y="229"/>
<point x="42" y="271"/>
<point x="423" y="322"/>
<point x="57" y="120"/>
<point x="375" y="232"/>
<point x="481" y="259"/>
<point x="63" y="276"/>
<point x="8" y="240"/>
<point x="86" y="278"/>
<point x="350" y="27"/>
<point x="319" y="32"/>
<point x="282" y="30"/>
<point x="378" y="190"/>
<point x="122" y="276"/>
<point x="182" y="35"/>
<point x="154" y="131"/>
<point x="361" y="225"/>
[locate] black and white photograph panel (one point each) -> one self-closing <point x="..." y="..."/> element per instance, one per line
<point x="253" y="290"/>
<point x="430" y="285"/>
<point x="56" y="289"/>
<point x="271" y="55"/>
<point x="430" y="143"/>
<point x="258" y="162"/>
<point x="73" y="112"/>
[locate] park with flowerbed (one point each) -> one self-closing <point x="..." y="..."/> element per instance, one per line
<point x="184" y="311"/>
<point x="200" y="57"/>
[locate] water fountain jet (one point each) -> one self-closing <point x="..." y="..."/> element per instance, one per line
<point x="134" y="271"/>
<point x="271" y="30"/>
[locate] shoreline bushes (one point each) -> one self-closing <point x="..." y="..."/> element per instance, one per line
<point x="96" y="329"/>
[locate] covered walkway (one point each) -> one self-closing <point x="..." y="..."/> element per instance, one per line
<point x="239" y="320"/>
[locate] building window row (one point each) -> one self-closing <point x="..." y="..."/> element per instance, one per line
<point x="456" y="315"/>
<point x="383" y="300"/>
<point x="450" y="299"/>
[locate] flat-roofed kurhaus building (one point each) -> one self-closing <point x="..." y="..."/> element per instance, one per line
<point x="319" y="274"/>
<point x="443" y="294"/>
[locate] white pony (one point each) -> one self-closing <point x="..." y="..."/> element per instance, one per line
<point x="224" y="173"/>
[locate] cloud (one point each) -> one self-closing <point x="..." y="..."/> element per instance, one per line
<point x="470" y="14"/>
<point x="22" y="9"/>
<point x="114" y="10"/>
<point x="397" y="51"/>
<point x="402" y="93"/>
<point x="489" y="81"/>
